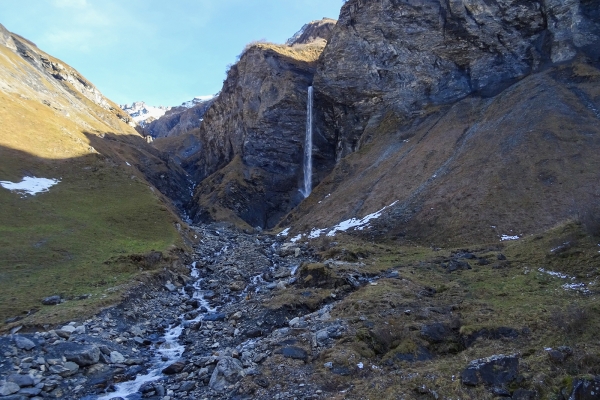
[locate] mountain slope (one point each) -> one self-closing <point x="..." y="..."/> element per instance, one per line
<point x="80" y="236"/>
<point x="479" y="119"/>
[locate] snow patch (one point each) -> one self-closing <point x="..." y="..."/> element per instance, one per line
<point x="142" y="113"/>
<point x="284" y="232"/>
<point x="30" y="185"/>
<point x="509" y="237"/>
<point x="197" y="100"/>
<point x="359" y="224"/>
<point x="296" y="238"/>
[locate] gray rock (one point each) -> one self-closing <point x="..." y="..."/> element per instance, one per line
<point x="116" y="357"/>
<point x="52" y="300"/>
<point x="494" y="370"/>
<point x="227" y="372"/>
<point x="170" y="287"/>
<point x="294" y="352"/>
<point x="9" y="388"/>
<point x="24" y="343"/>
<point x="30" y="391"/>
<point x="83" y="355"/>
<point x="69" y="368"/>
<point x="174" y="368"/>
<point x="21" y="380"/>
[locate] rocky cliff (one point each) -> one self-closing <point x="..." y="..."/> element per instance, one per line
<point x="462" y="111"/>
<point x="247" y="154"/>
<point x="319" y="30"/>
<point x="178" y="120"/>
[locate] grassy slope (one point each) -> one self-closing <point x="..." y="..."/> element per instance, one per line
<point x="513" y="164"/>
<point x="102" y="211"/>
<point x="512" y="293"/>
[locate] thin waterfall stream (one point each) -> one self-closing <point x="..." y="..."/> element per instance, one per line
<point x="308" y="145"/>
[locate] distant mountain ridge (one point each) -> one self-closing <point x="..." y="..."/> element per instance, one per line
<point x="164" y="121"/>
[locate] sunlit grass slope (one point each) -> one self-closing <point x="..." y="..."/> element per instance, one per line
<point x="91" y="234"/>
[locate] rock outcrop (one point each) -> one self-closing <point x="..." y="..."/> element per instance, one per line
<point x="479" y="118"/>
<point x="319" y="30"/>
<point x="178" y="120"/>
<point x="247" y="155"/>
<point x="403" y="57"/>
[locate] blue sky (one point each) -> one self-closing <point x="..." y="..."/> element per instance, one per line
<point x="162" y="52"/>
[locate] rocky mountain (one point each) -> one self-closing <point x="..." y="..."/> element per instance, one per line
<point x="78" y="187"/>
<point x="142" y="113"/>
<point x="319" y="30"/>
<point x="181" y="119"/>
<point x="248" y="151"/>
<point x="392" y="87"/>
<point x="475" y="118"/>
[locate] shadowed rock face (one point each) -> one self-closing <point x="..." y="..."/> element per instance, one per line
<point x="178" y="121"/>
<point x="405" y="56"/>
<point x="249" y="150"/>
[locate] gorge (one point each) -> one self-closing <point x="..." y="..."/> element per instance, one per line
<point x="402" y="203"/>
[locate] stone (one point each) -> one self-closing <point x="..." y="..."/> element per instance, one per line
<point x="116" y="357"/>
<point x="187" y="386"/>
<point x="294" y="352"/>
<point x="63" y="334"/>
<point x="30" y="391"/>
<point x="52" y="300"/>
<point x="21" y="380"/>
<point x="586" y="389"/>
<point x="436" y="333"/>
<point x="215" y="317"/>
<point x="67" y="369"/>
<point x="9" y="388"/>
<point x="495" y="370"/>
<point x="83" y="355"/>
<point x="170" y="287"/>
<point x="523" y="394"/>
<point x="227" y="372"/>
<point x="23" y="343"/>
<point x="174" y="368"/>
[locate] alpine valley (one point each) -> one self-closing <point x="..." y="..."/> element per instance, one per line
<point x="399" y="204"/>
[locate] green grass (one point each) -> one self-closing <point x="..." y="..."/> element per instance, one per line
<point x="76" y="239"/>
<point x="512" y="293"/>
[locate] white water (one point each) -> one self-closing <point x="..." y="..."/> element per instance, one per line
<point x="167" y="353"/>
<point x="308" y="145"/>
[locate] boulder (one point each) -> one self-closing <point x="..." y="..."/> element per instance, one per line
<point x="495" y="370"/>
<point x="9" y="388"/>
<point x="294" y="352"/>
<point x="21" y="380"/>
<point x="116" y="357"/>
<point x="52" y="300"/>
<point x="174" y="368"/>
<point x="227" y="372"/>
<point x="23" y="343"/>
<point x="83" y="355"/>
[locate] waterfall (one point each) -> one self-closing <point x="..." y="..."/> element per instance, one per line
<point x="308" y="145"/>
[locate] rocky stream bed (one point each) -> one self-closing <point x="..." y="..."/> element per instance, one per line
<point x="215" y="333"/>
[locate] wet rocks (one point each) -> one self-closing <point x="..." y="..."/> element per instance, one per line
<point x="174" y="368"/>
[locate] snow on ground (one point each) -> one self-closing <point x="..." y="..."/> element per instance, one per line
<point x="30" y="185"/>
<point x="576" y="286"/>
<point x="343" y="226"/>
<point x="141" y="112"/>
<point x="284" y="232"/>
<point x="197" y="100"/>
<point x="509" y="237"/>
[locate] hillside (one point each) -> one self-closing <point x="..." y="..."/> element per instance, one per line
<point x="82" y="237"/>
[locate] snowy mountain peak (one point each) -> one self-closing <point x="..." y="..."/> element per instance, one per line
<point x="197" y="100"/>
<point x="143" y="113"/>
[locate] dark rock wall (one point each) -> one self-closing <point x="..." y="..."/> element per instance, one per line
<point x="405" y="56"/>
<point x="178" y="121"/>
<point x="260" y="117"/>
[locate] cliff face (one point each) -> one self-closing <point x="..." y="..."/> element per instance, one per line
<point x="405" y="56"/>
<point x="477" y="118"/>
<point x="319" y="30"/>
<point x="247" y="155"/>
<point x="178" y="120"/>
